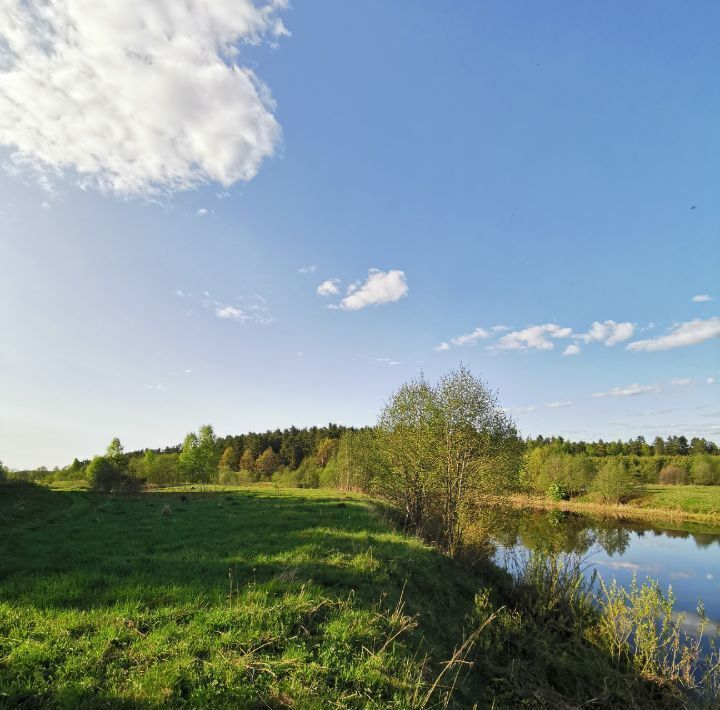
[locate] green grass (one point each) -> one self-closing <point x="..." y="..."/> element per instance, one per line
<point x="266" y="598"/>
<point x="689" y="499"/>
<point x="249" y="598"/>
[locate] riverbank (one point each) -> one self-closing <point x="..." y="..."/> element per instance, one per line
<point x="283" y="598"/>
<point x="672" y="503"/>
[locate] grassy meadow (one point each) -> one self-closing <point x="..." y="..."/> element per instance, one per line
<point x="242" y="598"/>
<point x="660" y="502"/>
<point x="262" y="597"/>
<point x="702" y="500"/>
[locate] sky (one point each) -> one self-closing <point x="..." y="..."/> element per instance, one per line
<point x="258" y="215"/>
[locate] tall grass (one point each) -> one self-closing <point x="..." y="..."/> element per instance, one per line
<point x="636" y="627"/>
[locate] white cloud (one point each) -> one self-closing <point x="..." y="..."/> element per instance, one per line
<point x="155" y="388"/>
<point x="500" y="328"/>
<point x="442" y="346"/>
<point x="202" y="212"/>
<point x="136" y="97"/>
<point x="379" y="288"/>
<point x="519" y="410"/>
<point x="701" y="298"/>
<point x="533" y="338"/>
<point x="232" y="313"/>
<point x="470" y="338"/>
<point x="608" y="332"/>
<point x="572" y="350"/>
<point x="683" y="334"/>
<point x="388" y="361"/>
<point x="307" y="269"/>
<point x="681" y="381"/>
<point x="629" y="391"/>
<point x="710" y="380"/>
<point x="558" y="405"/>
<point x="329" y="287"/>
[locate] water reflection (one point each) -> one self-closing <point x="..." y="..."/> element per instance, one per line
<point x="686" y="557"/>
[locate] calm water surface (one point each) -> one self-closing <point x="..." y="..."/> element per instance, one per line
<point x="683" y="556"/>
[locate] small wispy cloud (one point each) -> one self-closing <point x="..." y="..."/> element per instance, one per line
<point x="535" y="337"/>
<point x="558" y="405"/>
<point x="202" y="212"/>
<point x="572" y="349"/>
<point x="681" y="335"/>
<point x="629" y="391"/>
<point x="154" y="388"/>
<point x="523" y="409"/>
<point x="471" y="338"/>
<point x="329" y="287"/>
<point x="702" y="298"/>
<point x="307" y="269"/>
<point x="710" y="381"/>
<point x="387" y="361"/>
<point x="681" y="381"/>
<point x="232" y="313"/>
<point x="442" y="347"/>
<point x="379" y="288"/>
<point x="609" y="333"/>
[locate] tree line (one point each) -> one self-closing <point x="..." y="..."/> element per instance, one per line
<point x="670" y="446"/>
<point x="436" y="449"/>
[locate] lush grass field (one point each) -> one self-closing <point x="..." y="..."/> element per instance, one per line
<point x="660" y="502"/>
<point x="269" y="598"/>
<point x="704" y="500"/>
<point x="250" y="598"/>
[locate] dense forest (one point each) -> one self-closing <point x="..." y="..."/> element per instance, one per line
<point x="260" y="455"/>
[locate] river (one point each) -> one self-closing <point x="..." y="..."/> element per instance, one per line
<point x="685" y="557"/>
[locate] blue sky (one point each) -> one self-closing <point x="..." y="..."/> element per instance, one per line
<point x="522" y="164"/>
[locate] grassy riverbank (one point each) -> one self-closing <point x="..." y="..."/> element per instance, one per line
<point x="692" y="503"/>
<point x="261" y="597"/>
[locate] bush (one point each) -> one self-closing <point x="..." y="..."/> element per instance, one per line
<point x="236" y="478"/>
<point x="556" y="491"/>
<point x="103" y="475"/>
<point x="614" y="483"/>
<point x="705" y="470"/>
<point x="307" y="475"/>
<point x="129" y="485"/>
<point x="674" y="475"/>
<point x="546" y="467"/>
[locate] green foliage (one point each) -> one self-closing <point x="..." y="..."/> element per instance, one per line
<point x="236" y="478"/>
<point x="103" y="474"/>
<point x="705" y="470"/>
<point x="639" y="627"/>
<point x="443" y="445"/>
<point x="556" y="491"/>
<point x="3" y="473"/>
<point x="359" y="462"/>
<point x="614" y="483"/>
<point x="674" y="475"/>
<point x="267" y="463"/>
<point x="199" y="458"/>
<point x="546" y="467"/>
<point x="325" y="451"/>
<point x="115" y="450"/>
